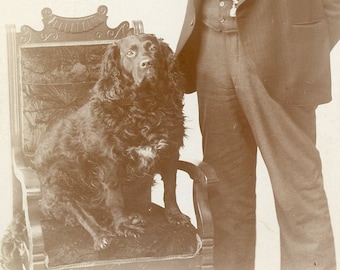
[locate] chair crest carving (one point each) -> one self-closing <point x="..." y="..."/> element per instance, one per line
<point x="62" y="29"/>
<point x="83" y="24"/>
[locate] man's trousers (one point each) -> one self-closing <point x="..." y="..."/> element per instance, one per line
<point x="237" y="117"/>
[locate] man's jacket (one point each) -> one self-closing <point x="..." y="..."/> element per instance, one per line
<point x="289" y="41"/>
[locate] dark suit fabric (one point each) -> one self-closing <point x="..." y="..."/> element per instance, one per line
<point x="289" y="41"/>
<point x="258" y="88"/>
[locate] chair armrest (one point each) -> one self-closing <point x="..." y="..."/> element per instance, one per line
<point x="203" y="176"/>
<point x="209" y="172"/>
<point x="199" y="171"/>
<point x="31" y="195"/>
<point x="25" y="174"/>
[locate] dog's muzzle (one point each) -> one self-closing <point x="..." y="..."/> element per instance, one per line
<point x="147" y="66"/>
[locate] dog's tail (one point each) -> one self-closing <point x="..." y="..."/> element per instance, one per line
<point x="14" y="251"/>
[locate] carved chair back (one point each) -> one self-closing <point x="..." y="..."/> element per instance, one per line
<point x="55" y="68"/>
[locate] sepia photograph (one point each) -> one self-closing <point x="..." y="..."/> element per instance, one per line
<point x="153" y="134"/>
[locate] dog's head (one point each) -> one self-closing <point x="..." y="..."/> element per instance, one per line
<point x="134" y="62"/>
<point x="141" y="57"/>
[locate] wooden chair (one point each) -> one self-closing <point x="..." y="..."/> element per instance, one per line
<point x="51" y="72"/>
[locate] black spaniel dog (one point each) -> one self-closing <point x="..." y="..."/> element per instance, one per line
<point x="133" y="125"/>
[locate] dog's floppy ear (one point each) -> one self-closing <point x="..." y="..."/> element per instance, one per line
<point x="175" y="76"/>
<point x="110" y="63"/>
<point x="108" y="86"/>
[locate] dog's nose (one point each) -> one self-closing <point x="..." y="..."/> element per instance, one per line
<point x="146" y="62"/>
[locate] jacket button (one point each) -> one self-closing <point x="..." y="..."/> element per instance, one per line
<point x="192" y="22"/>
<point x="221" y="19"/>
<point x="222" y="4"/>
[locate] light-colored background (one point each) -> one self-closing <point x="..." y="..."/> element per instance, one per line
<point x="164" y="18"/>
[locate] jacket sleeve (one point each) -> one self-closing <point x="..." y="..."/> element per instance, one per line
<point x="188" y="46"/>
<point x="332" y="10"/>
<point x="187" y="59"/>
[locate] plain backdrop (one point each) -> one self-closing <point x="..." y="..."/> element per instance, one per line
<point x="165" y="18"/>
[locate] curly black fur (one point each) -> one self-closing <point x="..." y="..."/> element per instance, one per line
<point x="14" y="251"/>
<point x="133" y="125"/>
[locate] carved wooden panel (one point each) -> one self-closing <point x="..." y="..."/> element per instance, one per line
<point x="61" y="29"/>
<point x="53" y="70"/>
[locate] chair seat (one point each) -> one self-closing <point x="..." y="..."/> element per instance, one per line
<point x="71" y="245"/>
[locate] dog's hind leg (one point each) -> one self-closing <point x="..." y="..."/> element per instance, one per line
<point x="101" y="237"/>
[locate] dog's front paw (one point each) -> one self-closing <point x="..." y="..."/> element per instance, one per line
<point x="131" y="225"/>
<point x="177" y="218"/>
<point x="102" y="240"/>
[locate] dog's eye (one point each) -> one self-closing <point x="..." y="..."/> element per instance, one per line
<point x="130" y="53"/>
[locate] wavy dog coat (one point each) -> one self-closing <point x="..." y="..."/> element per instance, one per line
<point x="133" y="125"/>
